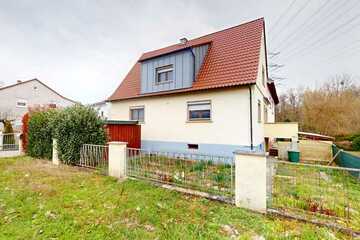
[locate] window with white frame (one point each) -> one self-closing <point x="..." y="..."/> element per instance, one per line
<point x="199" y="110"/>
<point x="265" y="113"/>
<point x="137" y="113"/>
<point x="263" y="77"/>
<point x="164" y="74"/>
<point x="21" y="103"/>
<point x="259" y="111"/>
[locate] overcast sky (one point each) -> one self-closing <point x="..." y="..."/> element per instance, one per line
<point x="83" y="49"/>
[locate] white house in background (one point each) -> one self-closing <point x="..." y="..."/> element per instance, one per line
<point x="102" y="108"/>
<point x="15" y="99"/>
<point x="208" y="95"/>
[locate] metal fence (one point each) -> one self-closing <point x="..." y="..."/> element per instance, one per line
<point x="210" y="174"/>
<point x="9" y="141"/>
<point x="320" y="193"/>
<point x="94" y="157"/>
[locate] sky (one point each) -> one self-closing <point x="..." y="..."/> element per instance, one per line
<point x="83" y="49"/>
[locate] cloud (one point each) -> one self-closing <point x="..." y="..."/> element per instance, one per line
<point x="83" y="49"/>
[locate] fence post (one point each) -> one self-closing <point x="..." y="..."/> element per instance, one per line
<point x="250" y="180"/>
<point x="55" y="155"/>
<point x="1" y="140"/>
<point x="21" y="150"/>
<point x="117" y="159"/>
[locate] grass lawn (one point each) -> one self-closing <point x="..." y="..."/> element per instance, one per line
<point x="318" y="193"/>
<point x="41" y="201"/>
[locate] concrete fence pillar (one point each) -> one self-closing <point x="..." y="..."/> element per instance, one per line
<point x="1" y="140"/>
<point x="250" y="180"/>
<point x="21" y="149"/>
<point x="55" y="155"/>
<point x="117" y="159"/>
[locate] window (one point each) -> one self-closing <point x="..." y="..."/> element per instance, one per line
<point x="259" y="111"/>
<point x="137" y="114"/>
<point x="164" y="74"/>
<point x="193" y="146"/>
<point x="21" y="103"/>
<point x="263" y="76"/>
<point x="265" y="113"/>
<point x="199" y="110"/>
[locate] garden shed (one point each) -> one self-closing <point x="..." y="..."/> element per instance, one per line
<point x="124" y="131"/>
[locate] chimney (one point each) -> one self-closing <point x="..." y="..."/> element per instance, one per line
<point x="183" y="40"/>
<point x="18" y="81"/>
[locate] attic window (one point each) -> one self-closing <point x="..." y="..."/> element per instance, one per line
<point x="164" y="74"/>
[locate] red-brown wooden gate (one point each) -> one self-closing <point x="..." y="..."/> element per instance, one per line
<point x="124" y="131"/>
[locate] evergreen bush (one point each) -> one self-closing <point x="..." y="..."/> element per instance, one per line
<point x="75" y="126"/>
<point x="356" y="144"/>
<point x="40" y="133"/>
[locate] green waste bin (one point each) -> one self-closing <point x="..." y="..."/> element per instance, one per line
<point x="294" y="156"/>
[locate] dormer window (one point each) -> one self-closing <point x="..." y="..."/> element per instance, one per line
<point x="164" y="74"/>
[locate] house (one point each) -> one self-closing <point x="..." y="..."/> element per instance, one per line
<point x="102" y="109"/>
<point x="15" y="99"/>
<point x="207" y="95"/>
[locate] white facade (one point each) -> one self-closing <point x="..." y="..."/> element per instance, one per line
<point x="16" y="99"/>
<point x="102" y="109"/>
<point x="166" y="126"/>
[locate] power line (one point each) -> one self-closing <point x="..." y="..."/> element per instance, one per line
<point x="296" y="50"/>
<point x="347" y="50"/>
<point x="292" y="19"/>
<point x="282" y="16"/>
<point x="307" y="22"/>
<point x="326" y="36"/>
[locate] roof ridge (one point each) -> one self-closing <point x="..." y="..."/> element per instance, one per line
<point x="209" y="34"/>
<point x="35" y="79"/>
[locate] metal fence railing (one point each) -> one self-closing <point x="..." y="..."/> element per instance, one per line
<point x="317" y="192"/>
<point x="205" y="173"/>
<point x="94" y="157"/>
<point x="9" y="141"/>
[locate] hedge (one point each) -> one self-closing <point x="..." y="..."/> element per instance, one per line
<point x="356" y="144"/>
<point x="75" y="126"/>
<point x="25" y="131"/>
<point x="40" y="134"/>
<point x="71" y="126"/>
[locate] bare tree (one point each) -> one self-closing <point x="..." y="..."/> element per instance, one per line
<point x="332" y="109"/>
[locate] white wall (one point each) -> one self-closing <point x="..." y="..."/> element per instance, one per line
<point x="259" y="92"/>
<point x="102" y="109"/>
<point x="166" y="117"/>
<point x="33" y="92"/>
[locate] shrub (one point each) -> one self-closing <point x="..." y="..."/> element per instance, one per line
<point x="75" y="126"/>
<point x="40" y="134"/>
<point x="356" y="144"/>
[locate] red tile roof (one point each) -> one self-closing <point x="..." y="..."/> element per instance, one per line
<point x="232" y="60"/>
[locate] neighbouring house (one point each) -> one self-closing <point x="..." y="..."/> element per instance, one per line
<point x="207" y="95"/>
<point x="16" y="99"/>
<point x="102" y="109"/>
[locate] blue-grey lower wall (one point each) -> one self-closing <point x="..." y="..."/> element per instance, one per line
<point x="210" y="149"/>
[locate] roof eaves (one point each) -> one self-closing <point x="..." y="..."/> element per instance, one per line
<point x="185" y="90"/>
